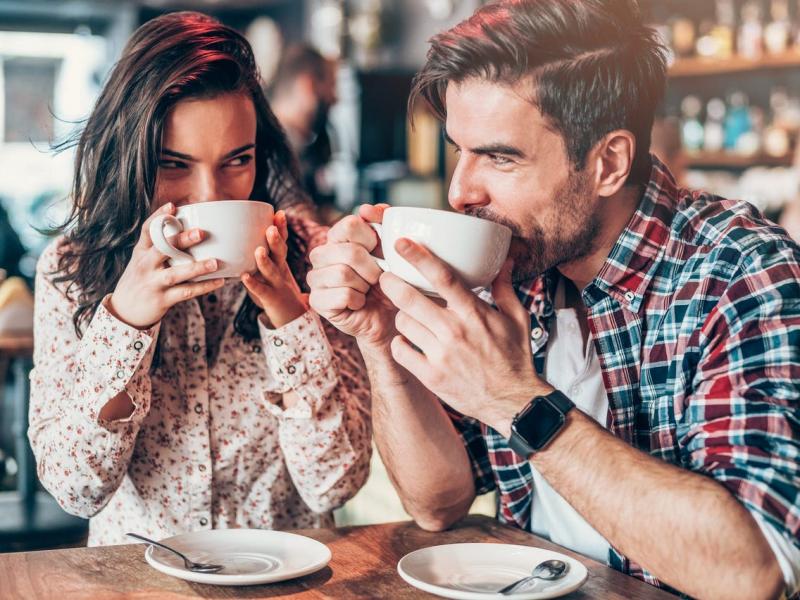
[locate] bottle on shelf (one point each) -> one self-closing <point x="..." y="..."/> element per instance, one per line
<point x="724" y="30"/>
<point x="716" y="39"/>
<point x="777" y="33"/>
<point x="749" y="143"/>
<point x="714" y="131"/>
<point x="692" y="134"/>
<point x="683" y="36"/>
<point x="777" y="139"/>
<point x="737" y="120"/>
<point x="750" y="40"/>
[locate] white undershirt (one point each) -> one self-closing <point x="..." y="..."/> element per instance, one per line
<point x="574" y="369"/>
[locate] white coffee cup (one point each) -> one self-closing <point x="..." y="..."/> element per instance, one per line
<point x="475" y="248"/>
<point x="234" y="229"/>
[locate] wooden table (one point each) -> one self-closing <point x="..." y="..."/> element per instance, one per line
<point x="363" y="566"/>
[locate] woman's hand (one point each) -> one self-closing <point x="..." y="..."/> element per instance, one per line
<point x="148" y="287"/>
<point x="274" y="288"/>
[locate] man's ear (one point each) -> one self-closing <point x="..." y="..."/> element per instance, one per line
<point x="613" y="159"/>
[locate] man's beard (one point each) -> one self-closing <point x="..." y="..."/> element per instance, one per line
<point x="570" y="236"/>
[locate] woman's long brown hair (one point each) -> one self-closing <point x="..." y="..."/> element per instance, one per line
<point x="168" y="59"/>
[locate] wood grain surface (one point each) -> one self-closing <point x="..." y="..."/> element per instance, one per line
<point x="364" y="565"/>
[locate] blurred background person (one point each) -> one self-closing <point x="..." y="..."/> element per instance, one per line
<point x="302" y="93"/>
<point x="11" y="248"/>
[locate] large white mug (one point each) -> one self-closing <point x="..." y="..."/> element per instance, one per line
<point x="234" y="229"/>
<point x="475" y="248"/>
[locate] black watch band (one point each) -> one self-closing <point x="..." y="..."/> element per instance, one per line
<point x="538" y="423"/>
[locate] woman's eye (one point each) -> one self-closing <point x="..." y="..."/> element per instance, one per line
<point x="171" y="164"/>
<point x="239" y="161"/>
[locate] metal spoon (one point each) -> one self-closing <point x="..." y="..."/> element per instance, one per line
<point x="189" y="564"/>
<point x="547" y="571"/>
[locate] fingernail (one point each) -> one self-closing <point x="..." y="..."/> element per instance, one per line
<point x="211" y="263"/>
<point x="195" y="236"/>
<point x="168" y="207"/>
<point x="402" y="245"/>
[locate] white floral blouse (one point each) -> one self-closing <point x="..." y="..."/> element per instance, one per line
<point x="208" y="444"/>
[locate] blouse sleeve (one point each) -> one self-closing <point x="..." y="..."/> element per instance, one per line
<point x="81" y="459"/>
<point x="326" y="436"/>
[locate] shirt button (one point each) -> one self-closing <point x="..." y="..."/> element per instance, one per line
<point x="291" y="370"/>
<point x="198" y="408"/>
<point x="120" y="374"/>
<point x="202" y="468"/>
<point x="203" y="521"/>
<point x="536" y="333"/>
<point x="138" y="345"/>
<point x="196" y="348"/>
<point x="212" y="298"/>
<point x="256" y="348"/>
<point x="629" y="296"/>
<point x="278" y="342"/>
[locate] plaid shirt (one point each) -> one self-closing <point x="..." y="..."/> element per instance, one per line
<point x="695" y="317"/>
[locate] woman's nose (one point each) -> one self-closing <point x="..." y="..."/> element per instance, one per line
<point x="206" y="187"/>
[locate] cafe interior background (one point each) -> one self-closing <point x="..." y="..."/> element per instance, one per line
<point x="730" y="124"/>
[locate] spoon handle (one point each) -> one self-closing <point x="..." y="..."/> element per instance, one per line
<point x="516" y="585"/>
<point x="160" y="545"/>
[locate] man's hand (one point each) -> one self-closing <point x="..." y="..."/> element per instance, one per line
<point x="476" y="359"/>
<point x="343" y="280"/>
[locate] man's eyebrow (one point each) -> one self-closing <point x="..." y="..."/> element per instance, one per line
<point x="496" y="148"/>
<point x="190" y="158"/>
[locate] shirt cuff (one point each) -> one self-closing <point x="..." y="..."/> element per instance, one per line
<point x="117" y="352"/>
<point x="299" y="356"/>
<point x="786" y="553"/>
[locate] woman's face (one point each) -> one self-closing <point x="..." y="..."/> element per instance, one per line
<point x="208" y="151"/>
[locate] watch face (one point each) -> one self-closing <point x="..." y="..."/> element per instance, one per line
<point x="539" y="423"/>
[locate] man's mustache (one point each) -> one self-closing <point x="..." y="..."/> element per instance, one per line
<point x="481" y="212"/>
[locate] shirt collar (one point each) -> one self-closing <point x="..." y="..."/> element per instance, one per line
<point x="632" y="262"/>
<point x="634" y="259"/>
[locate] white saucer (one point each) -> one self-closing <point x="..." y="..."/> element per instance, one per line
<point x="478" y="571"/>
<point x="249" y="556"/>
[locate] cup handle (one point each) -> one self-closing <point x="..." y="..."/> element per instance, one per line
<point x="381" y="262"/>
<point x="160" y="241"/>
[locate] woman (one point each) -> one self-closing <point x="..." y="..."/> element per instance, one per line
<point x="160" y="405"/>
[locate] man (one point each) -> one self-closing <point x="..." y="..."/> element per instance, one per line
<point x="669" y="318"/>
<point x="301" y="95"/>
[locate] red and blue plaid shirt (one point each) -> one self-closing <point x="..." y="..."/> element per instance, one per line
<point x="695" y="317"/>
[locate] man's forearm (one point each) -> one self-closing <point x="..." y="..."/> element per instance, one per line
<point x="685" y="528"/>
<point x="418" y="443"/>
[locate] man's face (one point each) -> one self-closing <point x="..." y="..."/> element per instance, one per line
<point x="514" y="169"/>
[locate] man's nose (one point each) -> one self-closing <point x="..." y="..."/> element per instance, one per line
<point x="466" y="190"/>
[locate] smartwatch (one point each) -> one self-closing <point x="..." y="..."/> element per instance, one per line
<point x="538" y="423"/>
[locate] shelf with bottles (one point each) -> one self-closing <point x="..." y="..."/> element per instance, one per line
<point x="731" y="161"/>
<point x="735" y="41"/>
<point x="731" y="134"/>
<point x="707" y="66"/>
